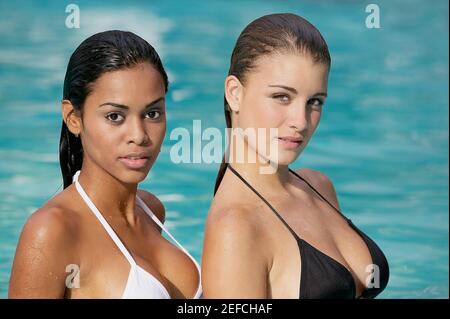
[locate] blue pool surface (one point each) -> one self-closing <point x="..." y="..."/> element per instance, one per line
<point x="383" y="138"/>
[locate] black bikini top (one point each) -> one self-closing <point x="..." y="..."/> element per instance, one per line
<point x="322" y="277"/>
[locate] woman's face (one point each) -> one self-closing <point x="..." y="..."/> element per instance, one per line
<point x="124" y="122"/>
<point x="285" y="92"/>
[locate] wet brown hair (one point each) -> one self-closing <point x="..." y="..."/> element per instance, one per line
<point x="273" y="33"/>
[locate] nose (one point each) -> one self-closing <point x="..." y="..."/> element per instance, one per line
<point x="137" y="133"/>
<point x="298" y="116"/>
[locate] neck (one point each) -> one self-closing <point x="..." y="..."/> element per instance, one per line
<point x="112" y="197"/>
<point x="260" y="172"/>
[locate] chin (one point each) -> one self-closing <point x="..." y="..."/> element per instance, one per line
<point x="130" y="176"/>
<point x="287" y="157"/>
<point x="285" y="161"/>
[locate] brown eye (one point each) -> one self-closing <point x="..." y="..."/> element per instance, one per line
<point x="154" y="114"/>
<point x="114" y="117"/>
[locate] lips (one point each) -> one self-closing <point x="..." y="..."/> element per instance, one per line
<point x="290" y="142"/>
<point x="135" y="160"/>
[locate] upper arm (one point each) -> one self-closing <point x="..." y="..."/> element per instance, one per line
<point x="233" y="265"/>
<point x="42" y="255"/>
<point x="321" y="183"/>
<point x="154" y="204"/>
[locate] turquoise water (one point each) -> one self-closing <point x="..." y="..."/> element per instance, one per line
<point x="383" y="138"/>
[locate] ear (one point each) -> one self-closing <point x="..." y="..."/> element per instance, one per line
<point x="71" y="117"/>
<point x="233" y="92"/>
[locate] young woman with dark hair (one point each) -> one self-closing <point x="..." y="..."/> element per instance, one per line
<point x="101" y="227"/>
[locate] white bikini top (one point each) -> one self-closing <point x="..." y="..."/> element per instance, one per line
<point x="140" y="284"/>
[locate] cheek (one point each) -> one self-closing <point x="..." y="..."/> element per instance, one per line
<point x="101" y="137"/>
<point x="315" y="119"/>
<point x="156" y="132"/>
<point x="261" y="112"/>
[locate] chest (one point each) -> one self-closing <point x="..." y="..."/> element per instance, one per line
<point x="105" y="270"/>
<point x="327" y="240"/>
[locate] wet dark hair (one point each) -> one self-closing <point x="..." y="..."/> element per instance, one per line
<point x="103" y="52"/>
<point x="273" y="33"/>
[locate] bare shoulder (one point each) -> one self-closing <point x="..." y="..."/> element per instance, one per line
<point x="235" y="228"/>
<point x="49" y="230"/>
<point x="51" y="223"/>
<point x="234" y="252"/>
<point x="46" y="246"/>
<point x="321" y="182"/>
<point x="234" y="220"/>
<point x="153" y="203"/>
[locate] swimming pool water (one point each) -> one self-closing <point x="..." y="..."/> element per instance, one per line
<point x="383" y="138"/>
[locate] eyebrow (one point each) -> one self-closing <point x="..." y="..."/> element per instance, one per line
<point x="122" y="106"/>
<point x="291" y="89"/>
